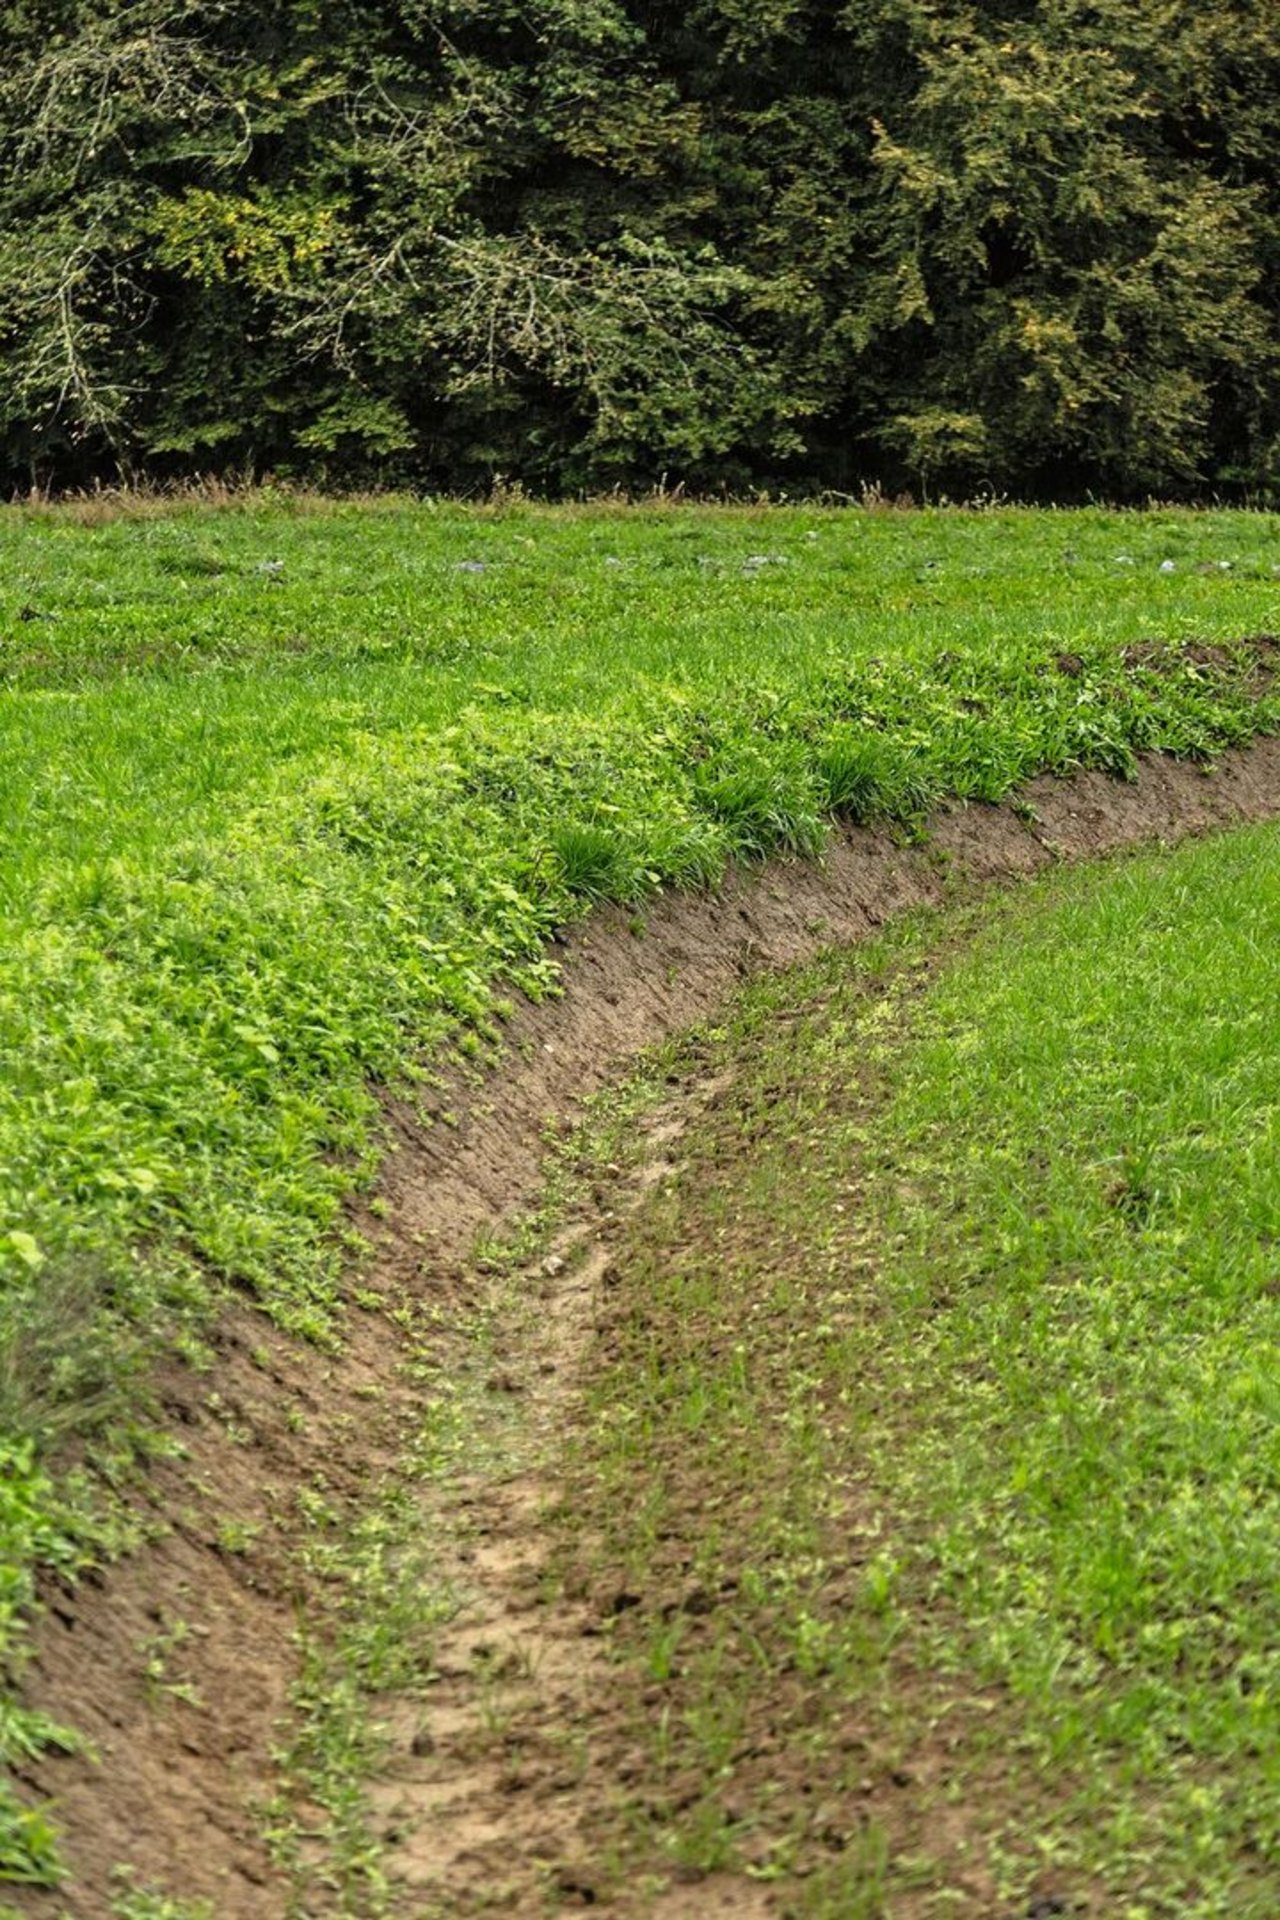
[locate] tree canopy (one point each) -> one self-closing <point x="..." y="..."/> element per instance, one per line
<point x="1027" y="244"/>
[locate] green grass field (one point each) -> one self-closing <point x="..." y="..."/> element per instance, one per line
<point x="294" y="794"/>
<point x="950" y="1363"/>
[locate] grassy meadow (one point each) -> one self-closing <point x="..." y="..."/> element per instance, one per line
<point x="949" y="1361"/>
<point x="293" y="795"/>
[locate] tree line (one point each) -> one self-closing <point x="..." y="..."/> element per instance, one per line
<point x="1027" y="245"/>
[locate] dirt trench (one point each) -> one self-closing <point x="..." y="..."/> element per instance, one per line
<point x="184" y="1732"/>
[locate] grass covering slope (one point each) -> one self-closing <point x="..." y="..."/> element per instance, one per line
<point x="292" y="795"/>
<point x="950" y="1364"/>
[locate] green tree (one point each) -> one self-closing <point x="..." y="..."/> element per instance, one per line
<point x="1033" y="243"/>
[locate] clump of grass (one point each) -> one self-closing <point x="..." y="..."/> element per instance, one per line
<point x="593" y="863"/>
<point x="863" y="776"/>
<point x="853" y="774"/>
<point x="764" y="805"/>
<point x="686" y="850"/>
<point x="192" y="564"/>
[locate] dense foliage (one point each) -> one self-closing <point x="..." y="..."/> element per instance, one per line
<point x="1031" y="244"/>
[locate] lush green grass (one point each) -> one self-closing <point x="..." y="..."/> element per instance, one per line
<point x="951" y="1363"/>
<point x="291" y="793"/>
<point x="1086" y="1164"/>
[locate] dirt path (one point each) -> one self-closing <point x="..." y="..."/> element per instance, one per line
<point x="177" y="1661"/>
<point x="485" y="1802"/>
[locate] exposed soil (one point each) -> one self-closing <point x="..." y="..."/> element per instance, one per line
<point x="494" y="1752"/>
<point x="174" y="1784"/>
